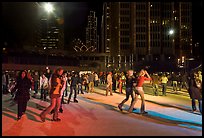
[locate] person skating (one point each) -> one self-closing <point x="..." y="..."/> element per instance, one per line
<point x="22" y="96"/>
<point x="73" y="85"/>
<point x="55" y="96"/>
<point x="109" y="84"/>
<point x="130" y="82"/>
<point x="139" y="91"/>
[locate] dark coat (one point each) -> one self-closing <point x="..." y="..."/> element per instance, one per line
<point x="23" y="89"/>
<point x="74" y="81"/>
<point x="194" y="91"/>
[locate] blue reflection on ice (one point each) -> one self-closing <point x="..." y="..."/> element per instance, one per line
<point x="191" y="126"/>
<point x="189" y="119"/>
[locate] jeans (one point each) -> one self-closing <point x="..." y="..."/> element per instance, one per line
<point x="80" y="88"/>
<point x="129" y="92"/>
<point x="174" y="85"/>
<point x="139" y="91"/>
<point x="36" y="87"/>
<point x="72" y="88"/>
<point x="163" y="89"/>
<point x="55" y="104"/>
<point x="43" y="94"/>
<point x="185" y="84"/>
<point x="199" y="104"/>
<point x="96" y="83"/>
<point x="155" y="89"/>
<point x="109" y="88"/>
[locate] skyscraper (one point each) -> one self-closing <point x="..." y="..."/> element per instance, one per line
<point x="49" y="32"/>
<point x="91" y="32"/>
<point x="145" y="31"/>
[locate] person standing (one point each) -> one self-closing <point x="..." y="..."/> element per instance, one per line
<point x="36" y="81"/>
<point x="174" y="82"/>
<point x="43" y="87"/>
<point x="114" y="79"/>
<point x="155" y="83"/>
<point x="123" y="78"/>
<point x="130" y="82"/>
<point x="69" y="77"/>
<point x="91" y="82"/>
<point x="195" y="92"/>
<point x="5" y="82"/>
<point x="80" y="81"/>
<point x="48" y="73"/>
<point x="185" y="81"/>
<point x="109" y="84"/>
<point x="55" y="96"/>
<point x="85" y="82"/>
<point x="120" y="85"/>
<point x="103" y="76"/>
<point x="96" y="79"/>
<point x="139" y="91"/>
<point x="23" y="86"/>
<point x="164" y="81"/>
<point x="73" y="85"/>
<point x="4" y="87"/>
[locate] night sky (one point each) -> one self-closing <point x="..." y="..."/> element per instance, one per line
<point x="18" y="17"/>
<point x="76" y="18"/>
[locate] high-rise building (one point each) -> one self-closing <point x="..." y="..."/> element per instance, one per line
<point x="145" y="31"/>
<point x="183" y="21"/>
<point x="49" y="32"/>
<point x="91" y="32"/>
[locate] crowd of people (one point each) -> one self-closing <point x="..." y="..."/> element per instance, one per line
<point x="58" y="83"/>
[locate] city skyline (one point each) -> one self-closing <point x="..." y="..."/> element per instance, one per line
<point x="75" y="21"/>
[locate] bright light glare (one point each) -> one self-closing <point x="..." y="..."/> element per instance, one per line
<point x="171" y="32"/>
<point x="49" y="7"/>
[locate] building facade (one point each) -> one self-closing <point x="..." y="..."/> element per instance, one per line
<point x="49" y="30"/>
<point x="136" y="32"/>
<point x="91" y="32"/>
